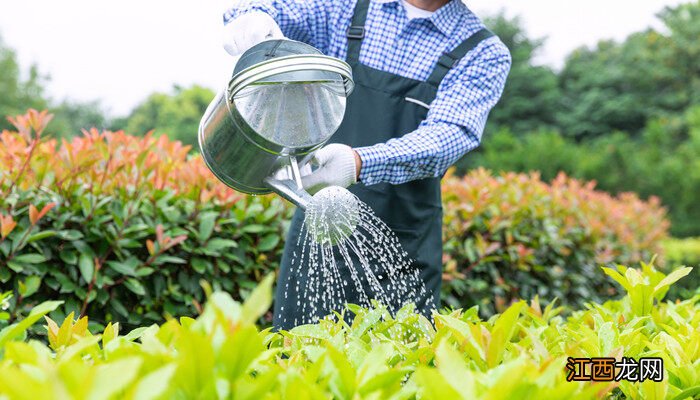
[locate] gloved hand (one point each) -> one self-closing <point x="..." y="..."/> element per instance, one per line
<point x="338" y="165"/>
<point x="248" y="30"/>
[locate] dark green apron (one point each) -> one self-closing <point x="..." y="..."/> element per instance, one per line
<point x="378" y="111"/>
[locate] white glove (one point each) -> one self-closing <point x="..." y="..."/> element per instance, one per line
<point x="248" y="30"/>
<point x="336" y="167"/>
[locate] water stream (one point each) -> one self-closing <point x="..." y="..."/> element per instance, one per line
<point x="350" y="255"/>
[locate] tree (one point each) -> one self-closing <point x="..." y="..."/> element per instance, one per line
<point x="177" y="114"/>
<point x="622" y="86"/>
<point x="530" y="98"/>
<point x="16" y="94"/>
<point x="71" y="117"/>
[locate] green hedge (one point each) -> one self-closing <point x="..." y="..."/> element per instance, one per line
<point x="125" y="228"/>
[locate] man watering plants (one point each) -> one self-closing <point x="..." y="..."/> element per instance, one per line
<point x="427" y="73"/>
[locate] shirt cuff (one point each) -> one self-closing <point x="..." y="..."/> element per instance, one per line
<point x="236" y="12"/>
<point x="373" y="161"/>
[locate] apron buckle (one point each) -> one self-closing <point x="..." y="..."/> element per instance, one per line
<point x="447" y="61"/>
<point x="355" y="32"/>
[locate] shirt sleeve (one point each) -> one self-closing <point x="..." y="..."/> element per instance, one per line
<point x="453" y="126"/>
<point x="303" y="20"/>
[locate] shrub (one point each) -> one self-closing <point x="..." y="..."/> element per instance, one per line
<point x="125" y="228"/>
<point x="521" y="353"/>
<point x="512" y="236"/>
<point x="663" y="161"/>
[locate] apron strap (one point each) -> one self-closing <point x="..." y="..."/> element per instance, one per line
<point x="356" y="31"/>
<point x="449" y="60"/>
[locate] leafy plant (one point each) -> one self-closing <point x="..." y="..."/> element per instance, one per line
<point x="124" y="228"/>
<point x="521" y="353"/>
<point x="512" y="235"/>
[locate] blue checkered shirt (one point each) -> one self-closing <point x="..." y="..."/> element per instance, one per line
<point x="408" y="48"/>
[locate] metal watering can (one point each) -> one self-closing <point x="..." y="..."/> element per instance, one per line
<point x="284" y="101"/>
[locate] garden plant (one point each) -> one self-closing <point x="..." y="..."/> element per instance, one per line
<point x="521" y="353"/>
<point x="123" y="228"/>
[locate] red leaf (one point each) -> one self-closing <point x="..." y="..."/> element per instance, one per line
<point x="159" y="234"/>
<point x="33" y="214"/>
<point x="46" y="209"/>
<point x="151" y="247"/>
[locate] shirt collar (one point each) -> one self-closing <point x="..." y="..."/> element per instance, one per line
<point x="446" y="18"/>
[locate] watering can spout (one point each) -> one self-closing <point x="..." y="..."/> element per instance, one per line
<point x="286" y="182"/>
<point x="290" y="191"/>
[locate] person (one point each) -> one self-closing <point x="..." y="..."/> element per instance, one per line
<point x="427" y="73"/>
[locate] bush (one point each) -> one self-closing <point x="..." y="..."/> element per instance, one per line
<point x="521" y="353"/>
<point x="513" y="236"/>
<point x="125" y="228"/>
<point x="663" y="161"/>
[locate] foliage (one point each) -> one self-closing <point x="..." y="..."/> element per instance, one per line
<point x="71" y="117"/>
<point x="125" y="227"/>
<point x="613" y="86"/>
<point x="177" y="114"/>
<point x="514" y="236"/>
<point x="17" y="94"/>
<point x="663" y="162"/>
<point x="682" y="251"/>
<point x="623" y="86"/>
<point x="520" y="353"/>
<point x="530" y="99"/>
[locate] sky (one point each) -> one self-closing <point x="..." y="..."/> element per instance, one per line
<point x="118" y="52"/>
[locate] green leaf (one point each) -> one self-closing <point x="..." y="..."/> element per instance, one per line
<point x="502" y="331"/>
<point x="87" y="267"/>
<point x="71" y="235"/>
<point x="113" y="378"/>
<point x="33" y="258"/>
<point x="672" y="278"/>
<point x="135" y="286"/>
<point x="69" y="257"/>
<point x="259" y="300"/>
<point x="268" y="242"/>
<point x="127" y="267"/>
<point x="217" y="244"/>
<point x="200" y="265"/>
<point x="155" y="384"/>
<point x="171" y="260"/>
<point x="41" y="235"/>
<point x="119" y="307"/>
<point x="689" y="393"/>
<point x="453" y="368"/>
<point x="433" y="385"/>
<point x="13" y="331"/>
<point x="618" y="278"/>
<point x="206" y="225"/>
<point x="15" y="266"/>
<point x="29" y="286"/>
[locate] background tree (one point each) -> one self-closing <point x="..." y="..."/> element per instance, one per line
<point x="176" y="114"/>
<point x="530" y="98"/>
<point x="71" y="117"/>
<point x="621" y="86"/>
<point x="18" y="94"/>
